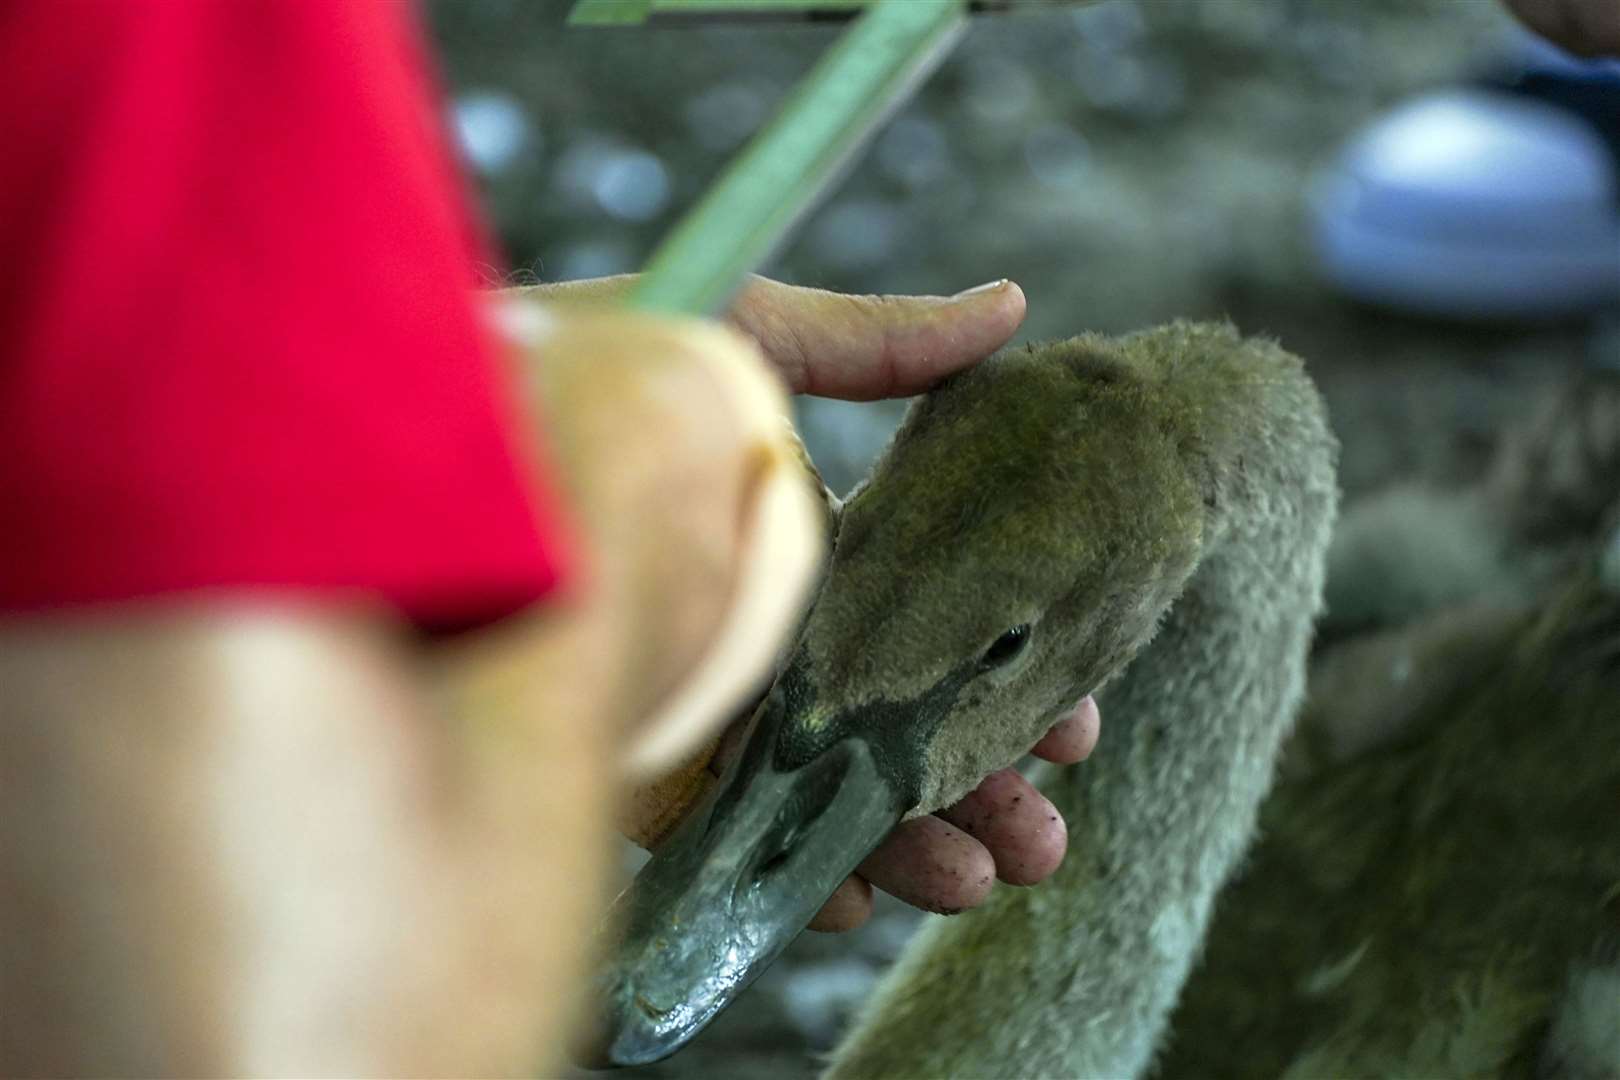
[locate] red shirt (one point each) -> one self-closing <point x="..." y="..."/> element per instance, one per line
<point x="238" y="346"/>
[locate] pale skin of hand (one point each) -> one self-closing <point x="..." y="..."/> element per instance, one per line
<point x="863" y="348"/>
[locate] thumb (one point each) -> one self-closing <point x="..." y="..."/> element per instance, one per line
<point x="865" y="347"/>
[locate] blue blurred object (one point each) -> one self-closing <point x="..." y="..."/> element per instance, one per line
<point x="1496" y="200"/>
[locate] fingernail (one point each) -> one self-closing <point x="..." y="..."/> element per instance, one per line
<point x="989" y="286"/>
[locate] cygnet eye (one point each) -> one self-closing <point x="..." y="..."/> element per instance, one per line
<point x="1005" y="648"/>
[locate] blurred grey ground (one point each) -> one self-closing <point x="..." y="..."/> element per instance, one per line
<point x="1127" y="162"/>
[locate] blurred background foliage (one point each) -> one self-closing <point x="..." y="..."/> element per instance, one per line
<point x="1127" y="161"/>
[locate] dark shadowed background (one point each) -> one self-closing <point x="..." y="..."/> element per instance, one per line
<point x="1127" y="162"/>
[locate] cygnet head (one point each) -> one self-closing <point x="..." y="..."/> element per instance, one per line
<point x="1020" y="538"/>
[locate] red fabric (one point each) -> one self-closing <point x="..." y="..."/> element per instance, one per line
<point x="239" y="345"/>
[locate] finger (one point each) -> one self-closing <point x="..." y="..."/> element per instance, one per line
<point x="732" y="742"/>
<point x="931" y="864"/>
<point x="855" y="347"/>
<point x="1073" y="737"/>
<point x="1019" y="826"/>
<point x="866" y="347"/>
<point x="650" y="809"/>
<point x="846" y="909"/>
<point x="602" y="292"/>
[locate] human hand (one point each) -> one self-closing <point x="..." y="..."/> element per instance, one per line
<point x="1584" y="27"/>
<point x="863" y="348"/>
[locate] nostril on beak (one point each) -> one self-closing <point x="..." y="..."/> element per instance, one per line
<point x="775" y="862"/>
<point x="814" y="789"/>
<point x="777" y="846"/>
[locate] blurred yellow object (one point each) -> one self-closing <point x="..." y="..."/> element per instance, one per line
<point x="679" y="421"/>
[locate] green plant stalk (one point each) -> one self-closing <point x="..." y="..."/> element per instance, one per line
<point x="638" y="12"/>
<point x="609" y="12"/>
<point x="788" y="165"/>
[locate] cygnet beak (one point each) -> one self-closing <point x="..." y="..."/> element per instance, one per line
<point x="733" y="886"/>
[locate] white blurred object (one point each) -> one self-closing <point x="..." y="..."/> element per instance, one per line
<point x="492" y="129"/>
<point x="1058" y="156"/>
<point x="856" y="234"/>
<point x="914" y="151"/>
<point x="625" y="182"/>
<point x="721" y="117"/>
<point x="1473" y="203"/>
